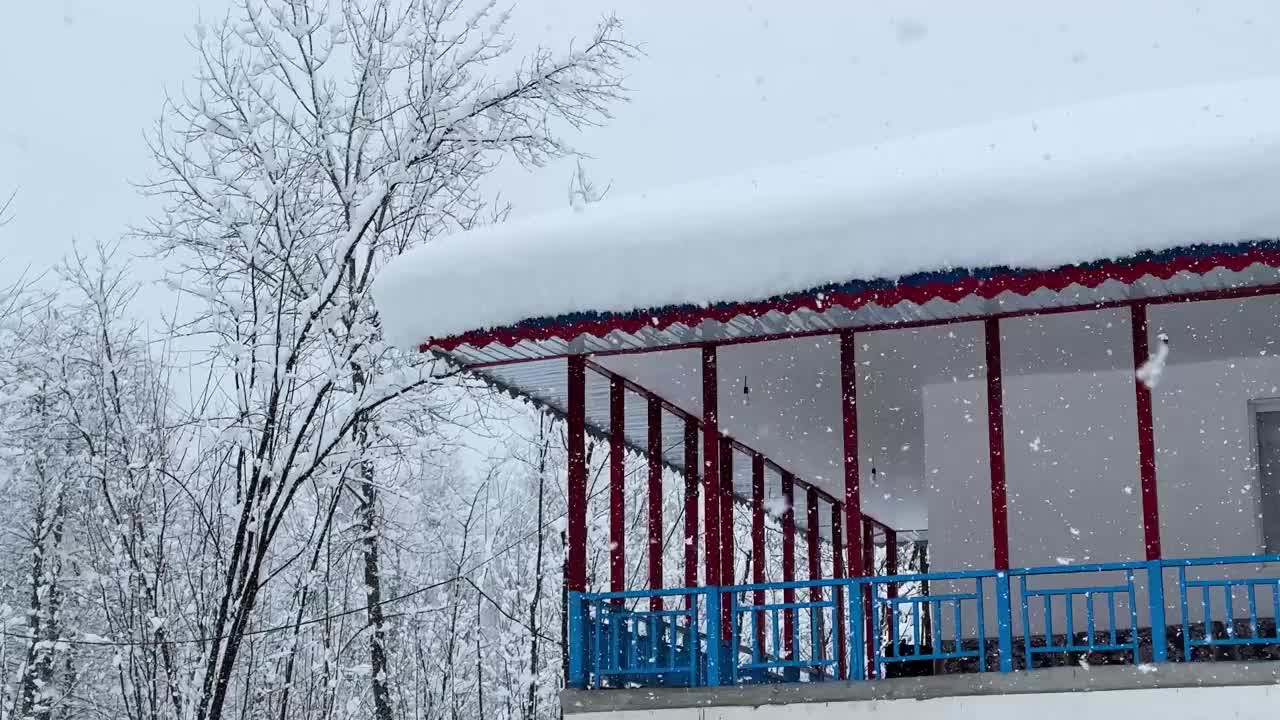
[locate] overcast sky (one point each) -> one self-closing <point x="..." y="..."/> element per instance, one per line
<point x="725" y="85"/>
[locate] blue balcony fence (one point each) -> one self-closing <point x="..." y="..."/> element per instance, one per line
<point x="978" y="621"/>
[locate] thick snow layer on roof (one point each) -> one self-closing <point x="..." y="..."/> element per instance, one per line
<point x="1095" y="181"/>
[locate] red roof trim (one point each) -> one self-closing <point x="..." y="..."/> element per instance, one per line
<point x="1196" y="261"/>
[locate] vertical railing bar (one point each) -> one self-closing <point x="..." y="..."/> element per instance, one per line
<point x="1071" y="628"/>
<point x="1207" y="611"/>
<point x="735" y="639"/>
<point x="935" y="627"/>
<point x="714" y="641"/>
<point x="596" y="652"/>
<point x="1048" y="622"/>
<point x="1157" y="606"/>
<point x="615" y="642"/>
<point x="633" y="630"/>
<point x="858" y="666"/>
<point x="1186" y="614"/>
<point x="1275" y="608"/>
<point x="957" y="631"/>
<point x="1088" y="599"/>
<point x="982" y="627"/>
<point x="776" y="633"/>
<point x="693" y="643"/>
<point x="1004" y="613"/>
<point x="1111" y="616"/>
<point x="1231" y="611"/>
<point x="671" y="642"/>
<point x="1253" y="611"/>
<point x="814" y="652"/>
<point x="915" y="625"/>
<point x="795" y="638"/>
<point x="654" y="637"/>
<point x="1133" y="618"/>
<point x="755" y="634"/>
<point x="1026" y="620"/>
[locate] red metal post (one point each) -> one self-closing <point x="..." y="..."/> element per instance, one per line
<point x="995" y="442"/>
<point x="617" y="488"/>
<point x="727" y="556"/>
<point x="813" y="537"/>
<point x="837" y="570"/>
<point x="814" y="552"/>
<point x="788" y="560"/>
<point x="726" y="513"/>
<point x="869" y="563"/>
<point x="890" y="569"/>
<point x="757" y="543"/>
<point x="891" y="556"/>
<point x="855" y="541"/>
<point x="710" y="466"/>
<point x="1146" y="436"/>
<point x="576" y="557"/>
<point x="691" y="476"/>
<point x="655" y="500"/>
<point x="849" y="413"/>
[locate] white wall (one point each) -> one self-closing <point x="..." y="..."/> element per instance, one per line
<point x="1071" y="441"/>
<point x="1201" y="703"/>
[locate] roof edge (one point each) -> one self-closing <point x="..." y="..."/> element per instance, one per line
<point x="918" y="288"/>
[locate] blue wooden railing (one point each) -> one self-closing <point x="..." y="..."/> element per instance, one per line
<point x="861" y="628"/>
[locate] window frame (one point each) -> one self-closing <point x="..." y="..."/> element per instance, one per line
<point x="1257" y="406"/>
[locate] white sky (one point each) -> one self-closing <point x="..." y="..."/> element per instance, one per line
<point x="725" y="85"/>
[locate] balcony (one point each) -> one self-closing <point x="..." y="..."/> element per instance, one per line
<point x="1015" y="626"/>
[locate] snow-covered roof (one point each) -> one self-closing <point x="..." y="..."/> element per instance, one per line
<point x="1107" y="179"/>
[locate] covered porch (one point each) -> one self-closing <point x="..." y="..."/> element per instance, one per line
<point x="1020" y="448"/>
<point x="1052" y="380"/>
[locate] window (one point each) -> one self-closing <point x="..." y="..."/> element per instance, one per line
<point x="1267" y="431"/>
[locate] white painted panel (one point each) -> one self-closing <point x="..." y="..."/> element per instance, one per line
<point x="1200" y="703"/>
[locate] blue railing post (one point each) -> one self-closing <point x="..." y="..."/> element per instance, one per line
<point x="1159" y="627"/>
<point x="1004" y="619"/>
<point x="857" y="647"/>
<point x="713" y="637"/>
<point x="577" y="641"/>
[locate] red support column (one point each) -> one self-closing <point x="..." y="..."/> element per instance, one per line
<point x="869" y="565"/>
<point x="576" y="557"/>
<point x="617" y="488"/>
<point x="726" y="513"/>
<point x="814" y="552"/>
<point x="891" y="569"/>
<point x="891" y="556"/>
<point x="691" y="476"/>
<point x="757" y="544"/>
<point x="726" y="533"/>
<point x="849" y="412"/>
<point x="995" y="442"/>
<point x="1146" y="436"/>
<point x="813" y="538"/>
<point x="837" y="570"/>
<point x="655" y="500"/>
<point x="710" y="466"/>
<point x="788" y="561"/>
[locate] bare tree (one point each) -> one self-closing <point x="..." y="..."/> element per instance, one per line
<point x="322" y="139"/>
